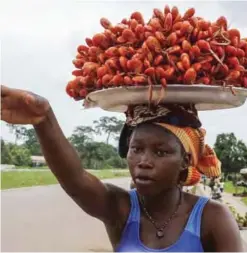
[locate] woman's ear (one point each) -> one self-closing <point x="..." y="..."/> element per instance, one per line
<point x="184" y="168"/>
<point x="186" y="161"/>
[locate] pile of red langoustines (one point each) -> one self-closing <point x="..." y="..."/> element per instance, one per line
<point x="170" y="48"/>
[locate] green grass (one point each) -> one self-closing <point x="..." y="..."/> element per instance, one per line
<point x="17" y="179"/>
<point x="103" y="174"/>
<point x="193" y="191"/>
<point x="244" y="199"/>
<point x="230" y="188"/>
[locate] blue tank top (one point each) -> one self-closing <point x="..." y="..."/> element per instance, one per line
<point x="189" y="240"/>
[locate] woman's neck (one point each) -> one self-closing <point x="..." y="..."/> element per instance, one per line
<point x="164" y="203"/>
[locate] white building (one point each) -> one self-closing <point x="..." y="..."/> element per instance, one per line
<point x="38" y="161"/>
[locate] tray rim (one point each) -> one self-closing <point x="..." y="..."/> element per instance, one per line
<point x="89" y="101"/>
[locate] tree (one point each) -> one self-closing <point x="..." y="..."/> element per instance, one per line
<point x="94" y="155"/>
<point x="109" y="125"/>
<point x="99" y="155"/>
<point x="81" y="135"/>
<point x="117" y="162"/>
<point x="21" y="156"/>
<point x="6" y="157"/>
<point x="110" y="156"/>
<point x="18" y="131"/>
<point x="15" y="154"/>
<point x="82" y="140"/>
<point x="31" y="142"/>
<point x="231" y="152"/>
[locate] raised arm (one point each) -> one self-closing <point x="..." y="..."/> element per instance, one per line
<point x="94" y="197"/>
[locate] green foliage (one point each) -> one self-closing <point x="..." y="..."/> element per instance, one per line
<point x="241" y="220"/>
<point x="231" y="152"/>
<point x="230" y="188"/>
<point x="244" y="200"/>
<point x="15" y="154"/>
<point x="117" y="162"/>
<point x="6" y="157"/>
<point x="31" y="142"/>
<point x="82" y="135"/>
<point x="97" y="155"/>
<point x="94" y="155"/>
<point x="109" y="125"/>
<point x="20" y="155"/>
<point x="29" y="137"/>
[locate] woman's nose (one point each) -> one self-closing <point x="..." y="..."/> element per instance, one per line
<point x="146" y="161"/>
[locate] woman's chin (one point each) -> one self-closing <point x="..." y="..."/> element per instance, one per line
<point x="147" y="190"/>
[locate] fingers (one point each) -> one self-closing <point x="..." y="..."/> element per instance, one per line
<point x="13" y="117"/>
<point x="5" y="103"/>
<point x="17" y="99"/>
<point x="27" y="103"/>
<point x="5" y="90"/>
<point x="14" y="93"/>
<point x="9" y="102"/>
<point x="22" y="107"/>
<point x="7" y="116"/>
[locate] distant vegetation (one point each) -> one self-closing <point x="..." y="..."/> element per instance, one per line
<point x="95" y="155"/>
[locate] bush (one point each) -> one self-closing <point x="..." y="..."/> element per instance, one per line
<point x="117" y="162"/>
<point x="20" y="156"/>
<point x="229" y="178"/>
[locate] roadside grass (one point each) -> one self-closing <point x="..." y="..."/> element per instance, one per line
<point x="230" y="188"/>
<point x="17" y="179"/>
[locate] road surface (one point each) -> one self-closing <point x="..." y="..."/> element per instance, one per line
<point x="44" y="218"/>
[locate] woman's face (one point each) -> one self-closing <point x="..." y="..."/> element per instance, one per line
<point x="155" y="158"/>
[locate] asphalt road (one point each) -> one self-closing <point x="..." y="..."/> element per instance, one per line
<point x="44" y="218"/>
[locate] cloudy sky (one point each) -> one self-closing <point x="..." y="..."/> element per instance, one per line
<point x="39" y="41"/>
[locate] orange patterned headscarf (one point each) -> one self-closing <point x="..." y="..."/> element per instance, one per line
<point x="203" y="158"/>
<point x="183" y="122"/>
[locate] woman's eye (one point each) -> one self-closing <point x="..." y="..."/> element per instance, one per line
<point x="161" y="153"/>
<point x="135" y="149"/>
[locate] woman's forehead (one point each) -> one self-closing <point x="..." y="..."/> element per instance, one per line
<point x="155" y="135"/>
<point x="152" y="132"/>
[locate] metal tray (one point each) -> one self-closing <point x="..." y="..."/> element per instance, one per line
<point x="204" y="97"/>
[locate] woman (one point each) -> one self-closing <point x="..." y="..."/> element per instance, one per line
<point x="162" y="146"/>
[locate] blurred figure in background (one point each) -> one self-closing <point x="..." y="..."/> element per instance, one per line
<point x="221" y="183"/>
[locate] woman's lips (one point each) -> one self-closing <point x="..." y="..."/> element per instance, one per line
<point x="145" y="181"/>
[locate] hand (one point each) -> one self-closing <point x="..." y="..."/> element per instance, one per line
<point x="22" y="107"/>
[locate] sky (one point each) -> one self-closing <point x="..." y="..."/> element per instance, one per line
<point x="39" y="41"/>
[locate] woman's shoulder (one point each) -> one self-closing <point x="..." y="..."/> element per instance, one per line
<point x="211" y="210"/>
<point x="214" y="209"/>
<point x="219" y="227"/>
